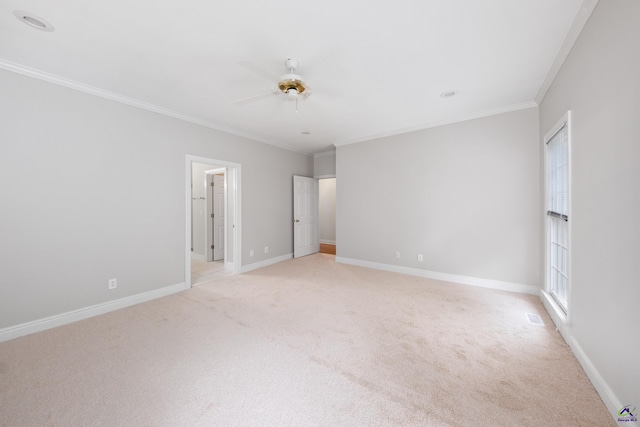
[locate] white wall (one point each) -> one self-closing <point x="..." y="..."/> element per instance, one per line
<point x="327" y="195"/>
<point x="466" y="196"/>
<point x="92" y="189"/>
<point x="599" y="82"/>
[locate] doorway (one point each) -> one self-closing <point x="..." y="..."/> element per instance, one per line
<point x="327" y="215"/>
<point x="200" y="206"/>
<point x="305" y="216"/>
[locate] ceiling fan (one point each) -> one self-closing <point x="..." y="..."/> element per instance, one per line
<point x="289" y="86"/>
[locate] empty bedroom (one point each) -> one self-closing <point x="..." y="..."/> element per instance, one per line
<point x="409" y="213"/>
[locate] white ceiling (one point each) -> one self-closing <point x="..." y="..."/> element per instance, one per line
<point x="376" y="67"/>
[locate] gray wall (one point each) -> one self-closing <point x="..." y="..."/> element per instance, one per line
<point x="467" y="196"/>
<point x="599" y="82"/>
<point x="324" y="164"/>
<point x="92" y="189"/>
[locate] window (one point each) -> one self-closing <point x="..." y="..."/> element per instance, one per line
<point x="557" y="207"/>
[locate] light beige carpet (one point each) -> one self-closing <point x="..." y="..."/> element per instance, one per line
<point x="306" y="342"/>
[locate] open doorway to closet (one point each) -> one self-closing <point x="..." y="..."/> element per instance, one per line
<point x="213" y="219"/>
<point x="327" y="215"/>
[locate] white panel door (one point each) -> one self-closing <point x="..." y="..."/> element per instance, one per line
<point x="218" y="217"/>
<point x="305" y="216"/>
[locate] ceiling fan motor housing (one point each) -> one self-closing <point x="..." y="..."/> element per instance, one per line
<point x="291" y="64"/>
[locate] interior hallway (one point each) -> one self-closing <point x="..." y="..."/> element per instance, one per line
<point x="202" y="271"/>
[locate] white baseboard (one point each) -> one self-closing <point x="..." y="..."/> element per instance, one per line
<point x="265" y="262"/>
<point x="230" y="266"/>
<point x="465" y="280"/>
<point x="197" y="257"/>
<point x="84" y="313"/>
<point x="607" y="395"/>
<point x="328" y="242"/>
<point x="563" y="326"/>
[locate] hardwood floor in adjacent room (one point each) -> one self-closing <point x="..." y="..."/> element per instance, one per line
<point x="327" y="249"/>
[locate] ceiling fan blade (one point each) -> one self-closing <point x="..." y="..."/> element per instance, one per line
<point x="326" y="73"/>
<point x="255" y="97"/>
<point x="259" y="71"/>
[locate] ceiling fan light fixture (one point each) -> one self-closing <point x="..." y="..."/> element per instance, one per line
<point x="290" y="82"/>
<point x="289" y="86"/>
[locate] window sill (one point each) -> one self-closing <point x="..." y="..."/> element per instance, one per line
<point x="558" y="316"/>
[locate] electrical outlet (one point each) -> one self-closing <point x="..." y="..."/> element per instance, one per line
<point x="266" y="249"/>
<point x="251" y="252"/>
<point x="113" y="283"/>
<point x="420" y="258"/>
<point x="397" y="254"/>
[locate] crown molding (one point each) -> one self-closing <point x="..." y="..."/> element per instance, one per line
<point x="112" y="96"/>
<point x="448" y="121"/>
<point x="576" y="28"/>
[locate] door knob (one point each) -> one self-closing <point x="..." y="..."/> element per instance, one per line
<point x="296" y="220"/>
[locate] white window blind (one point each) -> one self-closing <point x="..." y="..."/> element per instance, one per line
<point x="558" y="174"/>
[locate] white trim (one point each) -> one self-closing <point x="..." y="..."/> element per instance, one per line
<point x="266" y="262"/>
<point x="208" y="234"/>
<point x="465" y="280"/>
<point x="112" y="96"/>
<point x="563" y="326"/>
<point x="328" y="242"/>
<point x="236" y="221"/>
<point x="235" y="170"/>
<point x="558" y="316"/>
<point x="457" y="119"/>
<point x="607" y="395"/>
<point x="225" y="252"/>
<point x="576" y="28"/>
<point x="564" y="120"/>
<point x="333" y="175"/>
<point x="87" y="312"/>
<point x="216" y="171"/>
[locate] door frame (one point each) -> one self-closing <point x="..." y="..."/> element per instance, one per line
<point x="328" y="176"/>
<point x="234" y="170"/>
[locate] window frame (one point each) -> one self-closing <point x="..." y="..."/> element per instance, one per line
<point x="562" y="311"/>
